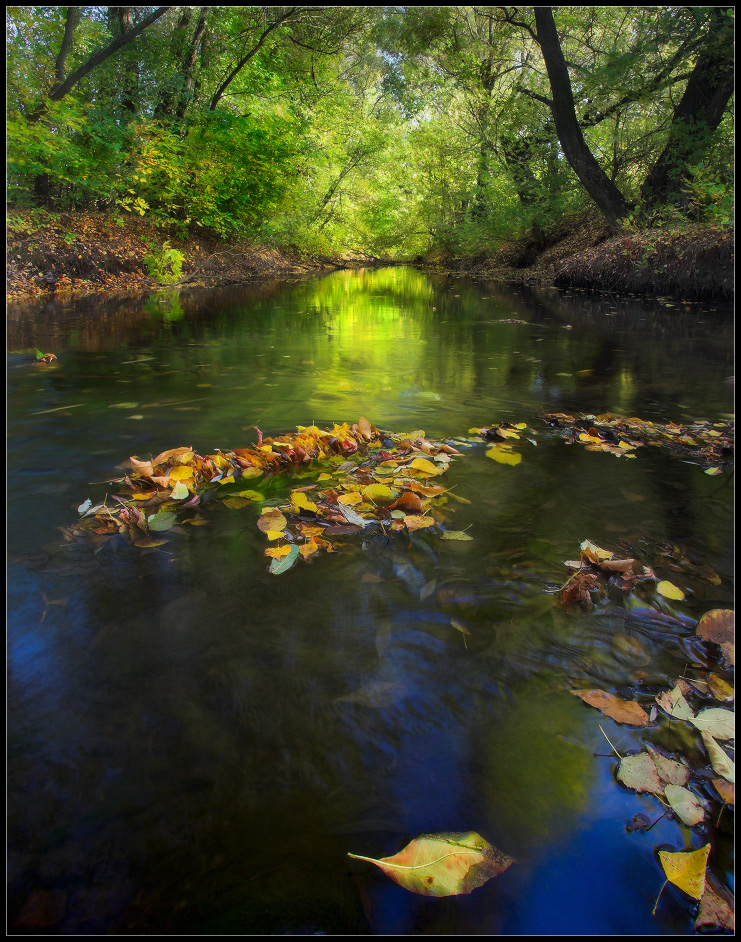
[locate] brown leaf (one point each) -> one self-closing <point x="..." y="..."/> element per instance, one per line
<point x="717" y="626"/>
<point x="715" y="911"/>
<point x="622" y="711"/>
<point x="408" y="502"/>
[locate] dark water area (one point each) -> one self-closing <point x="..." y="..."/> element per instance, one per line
<point x="194" y="745"/>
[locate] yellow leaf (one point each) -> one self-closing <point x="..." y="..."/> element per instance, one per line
<point x="521" y="425"/>
<point x="181" y="473"/>
<point x="349" y="499"/>
<point x="686" y="869"/>
<point x="380" y="493"/>
<point x="324" y="477"/>
<point x="416" y="522"/>
<point x="300" y="501"/>
<point x="422" y="464"/>
<point x="499" y="454"/>
<point x="669" y="591"/>
<point x="274" y="534"/>
<point x="308" y="548"/>
<point x="278" y="551"/>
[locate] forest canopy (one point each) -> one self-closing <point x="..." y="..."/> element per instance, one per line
<point x="379" y="129"/>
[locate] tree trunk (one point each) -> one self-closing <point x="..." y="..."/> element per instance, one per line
<point x="189" y="64"/>
<point x="59" y="91"/>
<point x="698" y="114"/>
<point x="603" y="191"/>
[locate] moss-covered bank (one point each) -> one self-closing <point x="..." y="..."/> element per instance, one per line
<point x="692" y="263"/>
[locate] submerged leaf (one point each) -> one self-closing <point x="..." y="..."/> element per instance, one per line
<point x="715" y="912"/>
<point x="443" y="864"/>
<point x="719" y="759"/>
<point x="503" y="455"/>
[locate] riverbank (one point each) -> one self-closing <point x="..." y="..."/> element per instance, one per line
<point x="696" y="263"/>
<point x="84" y="253"/>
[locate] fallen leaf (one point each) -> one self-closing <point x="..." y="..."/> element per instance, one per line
<point x="686" y="869"/>
<point x="639" y="773"/>
<point x="271" y="520"/>
<point x="673" y="702"/>
<point x="718" y="626"/>
<point x="622" y="711"/>
<point x="443" y="864"/>
<point x="278" y="566"/>
<point x="671" y="772"/>
<point x="669" y="591"/>
<point x="720" y="689"/>
<point x="721" y="724"/>
<point x="719" y="759"/>
<point x="456" y="535"/>
<point x="685" y="804"/>
<point x="422" y="464"/>
<point x="180" y="491"/>
<point x="726" y="790"/>
<point x="278" y="552"/>
<point x="380" y="494"/>
<point x="715" y="912"/>
<point x="300" y="501"/>
<point x="502" y="455"/>
<point x="161" y="521"/>
<point x="415" y="522"/>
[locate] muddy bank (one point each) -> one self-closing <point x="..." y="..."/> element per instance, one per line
<point x="84" y="253"/>
<point x="695" y="264"/>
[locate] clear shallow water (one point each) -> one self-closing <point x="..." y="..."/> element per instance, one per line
<point x="194" y="746"/>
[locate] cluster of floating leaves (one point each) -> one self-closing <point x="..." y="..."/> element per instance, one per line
<point x="372" y="478"/>
<point x="669" y="777"/>
<point x="706" y="443"/>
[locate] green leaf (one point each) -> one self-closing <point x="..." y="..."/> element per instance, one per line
<point x="278" y="566"/>
<point x="161" y="521"/>
<point x="456" y="535"/>
<point x="443" y="864"/>
<point x="179" y="491"/>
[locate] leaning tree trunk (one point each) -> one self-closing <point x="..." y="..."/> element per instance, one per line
<point x="698" y="113"/>
<point x="595" y="181"/>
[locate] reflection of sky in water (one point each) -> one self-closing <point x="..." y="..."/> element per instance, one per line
<point x="186" y="719"/>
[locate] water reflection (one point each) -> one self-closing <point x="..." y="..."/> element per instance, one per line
<point x="194" y="746"/>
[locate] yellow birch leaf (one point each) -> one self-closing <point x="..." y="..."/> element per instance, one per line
<point x="686" y="869"/>
<point x="349" y="499"/>
<point x="308" y="548"/>
<point x="416" y="522"/>
<point x="274" y="534"/>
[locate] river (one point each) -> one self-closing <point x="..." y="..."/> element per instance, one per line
<point x="195" y="745"/>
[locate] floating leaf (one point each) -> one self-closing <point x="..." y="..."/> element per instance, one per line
<point x="443" y="864"/>
<point x="85" y="505"/>
<point x="161" y="521"/>
<point x="719" y="760"/>
<point x="718" y="626"/>
<point x="715" y="912"/>
<point x="685" y="805"/>
<point x="639" y="773"/>
<point x="181" y="472"/>
<point x="595" y="554"/>
<point x="726" y="790"/>
<point x="271" y="520"/>
<point x="503" y="456"/>
<point x="123" y="405"/>
<point x="671" y="772"/>
<point x="686" y="869"/>
<point x="278" y="566"/>
<point x="300" y="501"/>
<point x="179" y="492"/>
<point x="456" y="535"/>
<point x="720" y="688"/>
<point x="415" y="522"/>
<point x="277" y="552"/>
<point x="721" y="724"/>
<point x="675" y="705"/>
<point x="422" y="464"/>
<point x="250" y="495"/>
<point x="669" y="591"/>
<point x="380" y="494"/>
<point x="622" y="711"/>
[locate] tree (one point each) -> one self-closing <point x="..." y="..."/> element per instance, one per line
<point x="698" y="113"/>
<point x="603" y="191"/>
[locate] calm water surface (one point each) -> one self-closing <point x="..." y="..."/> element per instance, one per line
<point x="194" y="746"/>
